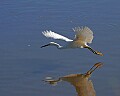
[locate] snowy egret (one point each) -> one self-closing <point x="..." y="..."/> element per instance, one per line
<point x="83" y="36"/>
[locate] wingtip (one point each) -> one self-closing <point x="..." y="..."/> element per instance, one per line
<point x="46" y="31"/>
<point x="43" y="32"/>
<point x="73" y="29"/>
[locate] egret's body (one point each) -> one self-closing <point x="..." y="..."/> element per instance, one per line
<point x="82" y="37"/>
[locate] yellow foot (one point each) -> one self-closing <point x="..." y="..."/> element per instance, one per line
<point x="99" y="53"/>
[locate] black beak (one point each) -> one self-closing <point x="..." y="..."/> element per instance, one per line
<point x="45" y="45"/>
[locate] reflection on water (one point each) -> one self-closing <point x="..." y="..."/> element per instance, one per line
<point x="23" y="63"/>
<point x="83" y="86"/>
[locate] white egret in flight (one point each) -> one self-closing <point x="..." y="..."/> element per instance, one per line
<point x="83" y="36"/>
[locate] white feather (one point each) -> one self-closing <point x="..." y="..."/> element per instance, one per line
<point x="54" y="35"/>
<point x="83" y="34"/>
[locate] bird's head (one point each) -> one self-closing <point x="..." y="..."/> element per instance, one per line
<point x="50" y="44"/>
<point x="53" y="43"/>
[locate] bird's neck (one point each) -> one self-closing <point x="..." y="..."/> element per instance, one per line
<point x="58" y="46"/>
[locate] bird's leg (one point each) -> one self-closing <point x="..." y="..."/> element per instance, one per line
<point x="45" y="45"/>
<point x="91" y="49"/>
<point x="97" y="65"/>
<point x="95" y="52"/>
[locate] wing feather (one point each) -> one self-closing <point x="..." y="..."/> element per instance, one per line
<point x="83" y="34"/>
<point x="54" y="35"/>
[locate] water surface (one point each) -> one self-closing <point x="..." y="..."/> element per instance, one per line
<point x="24" y="64"/>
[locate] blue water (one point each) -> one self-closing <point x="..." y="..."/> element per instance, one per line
<point x="23" y="64"/>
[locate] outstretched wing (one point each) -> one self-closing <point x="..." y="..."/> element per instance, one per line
<point x="54" y="35"/>
<point x="83" y="34"/>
